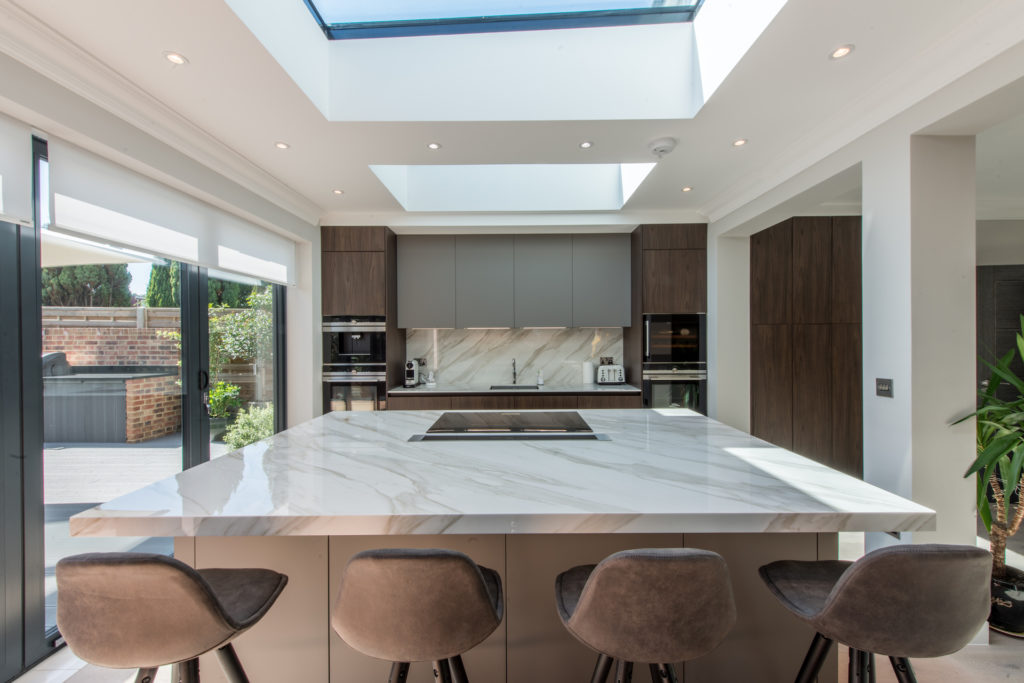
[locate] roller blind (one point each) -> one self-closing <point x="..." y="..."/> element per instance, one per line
<point x="103" y="200"/>
<point x="15" y="171"/>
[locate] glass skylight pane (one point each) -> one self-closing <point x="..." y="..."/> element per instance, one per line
<point x="358" y="11"/>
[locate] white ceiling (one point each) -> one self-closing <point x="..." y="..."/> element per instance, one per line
<point x="786" y="96"/>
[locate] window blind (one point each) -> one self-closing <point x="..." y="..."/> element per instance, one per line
<point x="98" y="198"/>
<point x="15" y="171"/>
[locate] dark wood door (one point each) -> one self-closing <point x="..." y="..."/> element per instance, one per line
<point x="556" y="402"/>
<point x="771" y="275"/>
<point x="812" y="270"/>
<point x="1000" y="294"/>
<point x="771" y="384"/>
<point x="482" y="402"/>
<point x="354" y="283"/>
<point x="847" y="400"/>
<point x="606" y="402"/>
<point x="419" y="402"/>
<point x="812" y="391"/>
<point x="353" y="238"/>
<point x="675" y="281"/>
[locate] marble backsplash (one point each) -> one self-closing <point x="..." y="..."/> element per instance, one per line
<point x="484" y="357"/>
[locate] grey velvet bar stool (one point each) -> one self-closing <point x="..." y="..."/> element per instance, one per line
<point x="143" y="611"/>
<point x="655" y="606"/>
<point x="901" y="601"/>
<point x="407" y="605"/>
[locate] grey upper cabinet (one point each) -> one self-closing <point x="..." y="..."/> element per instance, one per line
<point x="543" y="281"/>
<point x="426" y="281"/>
<point x="484" y="281"/>
<point x="600" y="280"/>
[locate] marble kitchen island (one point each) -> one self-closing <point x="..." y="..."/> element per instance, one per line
<point x="305" y="500"/>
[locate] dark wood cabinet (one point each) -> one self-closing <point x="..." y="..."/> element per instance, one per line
<point x="771" y="275"/>
<point x="546" y="402"/>
<point x="771" y="384"/>
<point x="675" y="236"/>
<point x="675" y="281"/>
<point x="353" y="238"/>
<point x="812" y="270"/>
<point x="482" y="402"/>
<point x="812" y="391"/>
<point x="846" y="267"/>
<point x="419" y="402"/>
<point x="847" y="401"/>
<point x="609" y="402"/>
<point x="353" y="283"/>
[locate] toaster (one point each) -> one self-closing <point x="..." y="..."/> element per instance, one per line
<point x="611" y="374"/>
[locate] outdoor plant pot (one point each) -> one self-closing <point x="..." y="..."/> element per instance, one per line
<point x="1007" y="615"/>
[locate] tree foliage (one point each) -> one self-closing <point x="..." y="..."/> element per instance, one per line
<point x="164" y="288"/>
<point x="87" y="285"/>
<point x="229" y="294"/>
<point x="243" y="334"/>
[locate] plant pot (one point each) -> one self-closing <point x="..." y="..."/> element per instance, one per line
<point x="1007" y="615"/>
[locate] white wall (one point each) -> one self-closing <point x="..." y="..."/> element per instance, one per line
<point x="1000" y="243"/>
<point x="729" y="329"/>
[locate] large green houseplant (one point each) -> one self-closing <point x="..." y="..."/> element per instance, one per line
<point x="999" y="469"/>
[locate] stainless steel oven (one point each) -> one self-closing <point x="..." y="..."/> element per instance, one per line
<point x="674" y="371"/>
<point x="668" y="385"/>
<point x="355" y="364"/>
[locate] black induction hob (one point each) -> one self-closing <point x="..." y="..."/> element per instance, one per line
<point x="565" y="424"/>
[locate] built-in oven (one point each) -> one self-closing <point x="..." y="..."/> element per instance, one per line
<point x="674" y="371"/>
<point x="354" y="364"/>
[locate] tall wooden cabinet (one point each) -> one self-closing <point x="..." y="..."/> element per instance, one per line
<point x="805" y="345"/>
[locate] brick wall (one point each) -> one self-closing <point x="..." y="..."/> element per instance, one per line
<point x="153" y="407"/>
<point x="112" y="345"/>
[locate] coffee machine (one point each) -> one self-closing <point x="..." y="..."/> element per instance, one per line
<point x="412" y="371"/>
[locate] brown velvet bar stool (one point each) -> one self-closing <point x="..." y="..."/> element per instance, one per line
<point x="142" y="611"/>
<point x="901" y="601"/>
<point x="654" y="605"/>
<point x="407" y="605"/>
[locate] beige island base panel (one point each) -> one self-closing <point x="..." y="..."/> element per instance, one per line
<point x="294" y="642"/>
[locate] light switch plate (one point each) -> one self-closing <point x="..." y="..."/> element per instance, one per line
<point x="883" y="387"/>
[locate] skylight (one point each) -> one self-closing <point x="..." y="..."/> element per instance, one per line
<point x="383" y="18"/>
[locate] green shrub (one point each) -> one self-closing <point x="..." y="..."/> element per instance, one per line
<point x="250" y="426"/>
<point x="224" y="399"/>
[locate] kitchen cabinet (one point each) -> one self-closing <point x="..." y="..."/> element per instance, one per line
<point x="675" y="281"/>
<point x="600" y="280"/>
<point x="353" y="238"/>
<point x="812" y="270"/>
<point x="609" y="402"/>
<point x="419" y="402"/>
<point x="543" y="280"/>
<point x="674" y="236"/>
<point x="484" y="281"/>
<point x="353" y="283"/>
<point x="426" y="281"/>
<point x="771" y="275"/>
<point x="771" y="384"/>
<point x="482" y="402"/>
<point x="547" y="402"/>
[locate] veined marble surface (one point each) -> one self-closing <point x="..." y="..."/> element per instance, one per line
<point x="545" y="389"/>
<point x="357" y="473"/>
<point x="484" y="357"/>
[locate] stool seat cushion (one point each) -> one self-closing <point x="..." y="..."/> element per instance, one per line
<point x="902" y="601"/>
<point x="142" y="610"/>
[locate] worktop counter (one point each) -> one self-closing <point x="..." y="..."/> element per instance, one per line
<point x="461" y="389"/>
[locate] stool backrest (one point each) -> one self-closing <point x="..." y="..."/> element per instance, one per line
<point x="656" y="605"/>
<point x="136" y="610"/>
<point x="911" y="600"/>
<point x="412" y="605"/>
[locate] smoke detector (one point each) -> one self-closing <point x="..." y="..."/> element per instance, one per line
<point x="662" y="146"/>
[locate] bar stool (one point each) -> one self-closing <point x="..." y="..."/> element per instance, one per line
<point x="142" y="611"/>
<point x="407" y="605"/>
<point x="902" y="601"/>
<point x="655" y="605"/>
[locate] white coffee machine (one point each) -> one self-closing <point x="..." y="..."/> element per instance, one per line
<point x="412" y="371"/>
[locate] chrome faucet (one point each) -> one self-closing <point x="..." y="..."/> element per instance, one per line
<point x="514" y="371"/>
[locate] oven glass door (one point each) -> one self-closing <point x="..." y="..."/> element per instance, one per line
<point x="674" y="338"/>
<point x="675" y="393"/>
<point x="353" y="396"/>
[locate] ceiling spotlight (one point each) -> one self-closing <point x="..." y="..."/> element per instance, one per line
<point x="662" y="146"/>
<point x="841" y="51"/>
<point x="687" y="189"/>
<point x="282" y="145"/>
<point x="175" y="58"/>
<point x="586" y="144"/>
<point x="739" y="143"/>
<point x="434" y="145"/>
<point x="338" y="191"/>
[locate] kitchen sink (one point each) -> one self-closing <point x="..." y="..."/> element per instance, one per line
<point x="506" y="387"/>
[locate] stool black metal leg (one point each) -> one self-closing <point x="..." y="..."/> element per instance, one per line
<point x="601" y="669"/>
<point x="458" y="669"/>
<point x="146" y="676"/>
<point x="399" y="672"/>
<point x="663" y="673"/>
<point x="870" y="658"/>
<point x="442" y="674"/>
<point x="859" y="666"/>
<point x="904" y="672"/>
<point x="623" y="671"/>
<point x="232" y="667"/>
<point x="814" y="659"/>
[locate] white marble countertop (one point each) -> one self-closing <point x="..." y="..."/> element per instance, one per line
<point x="356" y="473"/>
<point x="542" y="389"/>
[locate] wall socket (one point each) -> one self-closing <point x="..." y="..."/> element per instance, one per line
<point x="883" y="387"/>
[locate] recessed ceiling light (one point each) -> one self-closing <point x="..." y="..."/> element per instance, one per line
<point x="338" y="191"/>
<point x="841" y="51"/>
<point x="687" y="189"/>
<point x="175" y="58"/>
<point x="434" y="145"/>
<point x="282" y="145"/>
<point x="586" y="144"/>
<point x="739" y="143"/>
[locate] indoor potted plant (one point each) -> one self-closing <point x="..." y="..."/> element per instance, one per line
<point x="999" y="468"/>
